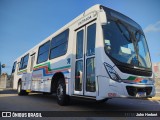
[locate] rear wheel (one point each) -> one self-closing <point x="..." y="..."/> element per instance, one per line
<point x="20" y="91"/>
<point x="62" y="98"/>
<point x="47" y="93"/>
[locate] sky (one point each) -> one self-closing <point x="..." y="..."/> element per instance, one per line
<point x="25" y="23"/>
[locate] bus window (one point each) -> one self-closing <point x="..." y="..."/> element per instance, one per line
<point x="14" y="67"/>
<point x="59" y="44"/>
<point x="90" y="75"/>
<point x="91" y="33"/>
<point x="79" y="50"/>
<point x="43" y="52"/>
<point x="78" y="75"/>
<point x="90" y="68"/>
<point x="24" y="62"/>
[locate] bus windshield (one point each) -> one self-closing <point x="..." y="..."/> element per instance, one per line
<point x="126" y="43"/>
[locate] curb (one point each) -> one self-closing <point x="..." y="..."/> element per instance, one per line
<point x="154" y="98"/>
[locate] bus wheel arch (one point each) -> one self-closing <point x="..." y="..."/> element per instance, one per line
<point x="19" y="88"/>
<point x="58" y="85"/>
<point x="55" y="79"/>
<point x="19" y="80"/>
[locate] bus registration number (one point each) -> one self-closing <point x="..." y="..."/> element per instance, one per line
<point x="141" y="94"/>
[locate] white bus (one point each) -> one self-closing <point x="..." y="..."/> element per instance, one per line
<point x="99" y="55"/>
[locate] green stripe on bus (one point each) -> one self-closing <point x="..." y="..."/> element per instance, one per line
<point x="131" y="78"/>
<point x="62" y="67"/>
<point x="21" y="71"/>
<point x="49" y="67"/>
<point x="42" y="64"/>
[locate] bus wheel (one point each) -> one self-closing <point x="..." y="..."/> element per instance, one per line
<point x="20" y="91"/>
<point x="102" y="101"/>
<point x="62" y="98"/>
<point x="46" y="93"/>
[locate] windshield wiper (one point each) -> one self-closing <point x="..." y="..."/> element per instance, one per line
<point x="135" y="44"/>
<point x="131" y="38"/>
<point x="118" y="22"/>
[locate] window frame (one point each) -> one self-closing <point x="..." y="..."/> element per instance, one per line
<point x="67" y="30"/>
<point x="43" y="52"/>
<point x="22" y="62"/>
<point x="88" y="40"/>
<point x="77" y="51"/>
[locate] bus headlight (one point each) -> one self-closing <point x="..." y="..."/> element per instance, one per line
<point x="112" y="73"/>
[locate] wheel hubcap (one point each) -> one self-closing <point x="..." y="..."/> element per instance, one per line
<point x="60" y="92"/>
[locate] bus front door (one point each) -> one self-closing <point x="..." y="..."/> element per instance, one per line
<point x="84" y="82"/>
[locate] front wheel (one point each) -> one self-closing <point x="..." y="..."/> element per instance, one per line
<point x="62" y="98"/>
<point x="102" y="101"/>
<point x="20" y="91"/>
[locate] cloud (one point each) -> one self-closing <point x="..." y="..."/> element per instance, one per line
<point x="153" y="27"/>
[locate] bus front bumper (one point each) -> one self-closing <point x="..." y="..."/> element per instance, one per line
<point x="126" y="90"/>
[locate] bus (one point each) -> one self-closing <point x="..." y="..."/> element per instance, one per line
<point x="99" y="55"/>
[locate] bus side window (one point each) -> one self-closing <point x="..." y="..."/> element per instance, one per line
<point x="43" y="52"/>
<point x="79" y="45"/>
<point x="90" y="65"/>
<point x="90" y="75"/>
<point x="91" y="30"/>
<point x="24" y="62"/>
<point x="59" y="44"/>
<point x="14" y="66"/>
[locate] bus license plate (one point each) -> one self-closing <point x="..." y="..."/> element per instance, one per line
<point x="141" y="94"/>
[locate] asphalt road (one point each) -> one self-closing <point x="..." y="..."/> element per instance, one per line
<point x="10" y="101"/>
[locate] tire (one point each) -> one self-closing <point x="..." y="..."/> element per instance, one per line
<point x="102" y="101"/>
<point x="62" y="98"/>
<point x="47" y="93"/>
<point x="20" y="91"/>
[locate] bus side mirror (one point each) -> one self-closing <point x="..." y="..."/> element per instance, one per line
<point x="102" y="17"/>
